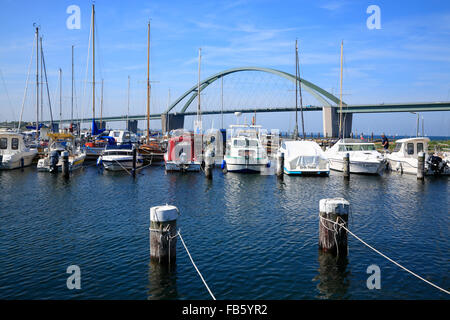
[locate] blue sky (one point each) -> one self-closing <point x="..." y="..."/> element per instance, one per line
<point x="407" y="60"/>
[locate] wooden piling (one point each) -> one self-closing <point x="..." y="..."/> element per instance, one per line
<point x="346" y="166"/>
<point x="209" y="164"/>
<point x="134" y="161"/>
<point x="280" y="164"/>
<point x="332" y="237"/>
<point x="163" y="240"/>
<point x="65" y="164"/>
<point x="421" y="166"/>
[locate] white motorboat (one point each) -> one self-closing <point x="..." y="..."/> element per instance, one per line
<point x="60" y="142"/>
<point x="118" y="158"/>
<point x="404" y="157"/>
<point x="245" y="152"/>
<point x="304" y="158"/>
<point x="364" y="158"/>
<point x="13" y="152"/>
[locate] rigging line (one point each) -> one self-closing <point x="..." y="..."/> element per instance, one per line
<point x="342" y="225"/>
<point x="193" y="263"/>
<point x="26" y="84"/>
<point x="7" y="95"/>
<point x="48" y="91"/>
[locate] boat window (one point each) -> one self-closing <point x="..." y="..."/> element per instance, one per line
<point x="14" y="143"/>
<point x="410" y="148"/>
<point x="3" y="143"/>
<point x="116" y="134"/>
<point x="419" y="147"/>
<point x="126" y="136"/>
<point x="398" y="146"/>
<point x="357" y="147"/>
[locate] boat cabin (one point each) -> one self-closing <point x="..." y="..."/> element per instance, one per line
<point x="123" y="136"/>
<point x="11" y="142"/>
<point x="410" y="147"/>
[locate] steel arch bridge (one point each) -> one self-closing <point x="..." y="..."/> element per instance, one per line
<point x="320" y="94"/>
<point x="326" y="99"/>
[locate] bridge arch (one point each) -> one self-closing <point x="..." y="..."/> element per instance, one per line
<point x="319" y="93"/>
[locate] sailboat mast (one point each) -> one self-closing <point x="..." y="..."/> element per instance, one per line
<point x="101" y="108"/>
<point x="148" y="84"/>
<point x="340" y="95"/>
<point x="60" y="98"/>
<point x="198" y="85"/>
<point x="71" y="111"/>
<point x="41" y="114"/>
<point x="296" y="93"/>
<point x="301" y="97"/>
<point x="221" y="96"/>
<point x="37" y="82"/>
<point x="93" y="63"/>
<point x="128" y="101"/>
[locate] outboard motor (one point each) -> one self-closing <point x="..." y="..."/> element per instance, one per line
<point x="54" y="158"/>
<point x="436" y="164"/>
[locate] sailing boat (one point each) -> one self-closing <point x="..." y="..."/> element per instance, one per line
<point x="302" y="157"/>
<point x="152" y="150"/>
<point x="363" y="156"/>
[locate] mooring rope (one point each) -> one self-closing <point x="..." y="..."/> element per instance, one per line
<point x="193" y="263"/>
<point x="342" y="225"/>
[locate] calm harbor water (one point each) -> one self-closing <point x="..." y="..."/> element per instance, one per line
<point x="252" y="236"/>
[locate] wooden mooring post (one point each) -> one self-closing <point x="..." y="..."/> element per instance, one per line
<point x="209" y="164"/>
<point x="332" y="237"/>
<point x="280" y="164"/>
<point x="134" y="161"/>
<point x="421" y="166"/>
<point x="346" y="166"/>
<point x="65" y="164"/>
<point x="163" y="233"/>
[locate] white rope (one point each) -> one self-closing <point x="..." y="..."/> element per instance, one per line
<point x="385" y="256"/>
<point x="193" y="263"/>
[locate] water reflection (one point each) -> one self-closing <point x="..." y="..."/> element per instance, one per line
<point x="333" y="277"/>
<point x="162" y="281"/>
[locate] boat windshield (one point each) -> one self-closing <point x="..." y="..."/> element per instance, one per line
<point x="357" y="147"/>
<point x="245" y="143"/>
<point x="398" y="146"/>
<point x="117" y="153"/>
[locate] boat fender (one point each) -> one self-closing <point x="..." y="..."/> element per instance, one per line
<point x="268" y="164"/>
<point x="99" y="161"/>
<point x="224" y="163"/>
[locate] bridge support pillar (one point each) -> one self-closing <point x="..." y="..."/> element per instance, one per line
<point x="330" y="118"/>
<point x="170" y="121"/>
